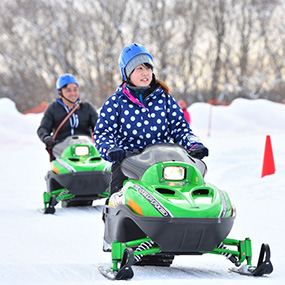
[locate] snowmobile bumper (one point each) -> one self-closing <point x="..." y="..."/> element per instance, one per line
<point x="172" y="235"/>
<point x="75" y="188"/>
<point x="84" y="183"/>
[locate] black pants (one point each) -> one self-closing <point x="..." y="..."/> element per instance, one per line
<point x="117" y="178"/>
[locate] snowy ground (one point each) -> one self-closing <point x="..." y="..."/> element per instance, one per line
<point x="66" y="248"/>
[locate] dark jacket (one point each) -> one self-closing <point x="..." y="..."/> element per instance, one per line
<point x="82" y="122"/>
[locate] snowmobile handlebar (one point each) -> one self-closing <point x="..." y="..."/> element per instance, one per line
<point x="197" y="152"/>
<point x="129" y="153"/>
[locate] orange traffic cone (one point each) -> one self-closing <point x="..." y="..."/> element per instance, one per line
<point x="268" y="160"/>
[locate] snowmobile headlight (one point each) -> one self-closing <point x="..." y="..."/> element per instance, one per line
<point x="81" y="150"/>
<point x="176" y="173"/>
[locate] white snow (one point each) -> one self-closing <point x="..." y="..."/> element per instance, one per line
<point x="66" y="248"/>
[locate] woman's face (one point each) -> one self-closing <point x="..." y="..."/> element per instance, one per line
<point x="141" y="76"/>
<point x="70" y="92"/>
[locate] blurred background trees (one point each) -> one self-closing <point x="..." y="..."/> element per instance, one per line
<point x="218" y="49"/>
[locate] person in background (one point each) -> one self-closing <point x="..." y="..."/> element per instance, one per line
<point x="140" y="113"/>
<point x="183" y="106"/>
<point x="82" y="121"/>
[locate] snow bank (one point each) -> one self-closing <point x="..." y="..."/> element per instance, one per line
<point x="66" y="248"/>
<point x="241" y="116"/>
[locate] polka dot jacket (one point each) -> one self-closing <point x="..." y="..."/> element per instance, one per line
<point x="126" y="123"/>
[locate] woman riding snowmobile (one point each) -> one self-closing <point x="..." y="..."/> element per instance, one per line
<point x="140" y="113"/>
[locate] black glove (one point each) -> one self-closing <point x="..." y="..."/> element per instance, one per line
<point x="49" y="142"/>
<point x="198" y="151"/>
<point x="116" y="154"/>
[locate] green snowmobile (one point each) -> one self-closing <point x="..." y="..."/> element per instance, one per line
<point x="78" y="175"/>
<point x="165" y="209"/>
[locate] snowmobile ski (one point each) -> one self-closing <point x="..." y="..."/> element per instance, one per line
<point x="107" y="272"/>
<point x="264" y="265"/>
<point x="125" y="272"/>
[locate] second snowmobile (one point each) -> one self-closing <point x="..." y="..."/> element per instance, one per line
<point x="78" y="175"/>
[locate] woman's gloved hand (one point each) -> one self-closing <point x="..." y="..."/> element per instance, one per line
<point x="116" y="154"/>
<point x="198" y="151"/>
<point x="49" y="142"/>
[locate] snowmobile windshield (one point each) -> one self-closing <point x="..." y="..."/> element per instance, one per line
<point x="135" y="165"/>
<point x="72" y="140"/>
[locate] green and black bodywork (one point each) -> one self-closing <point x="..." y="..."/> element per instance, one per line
<point x="78" y="175"/>
<point x="165" y="209"/>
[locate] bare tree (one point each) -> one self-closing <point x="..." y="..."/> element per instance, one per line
<point x="219" y="26"/>
<point x="189" y="50"/>
<point x="203" y="49"/>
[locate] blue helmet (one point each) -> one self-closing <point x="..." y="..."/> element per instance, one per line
<point x="64" y="80"/>
<point x="127" y="63"/>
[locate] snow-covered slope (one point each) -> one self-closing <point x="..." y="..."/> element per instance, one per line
<point x="66" y="248"/>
